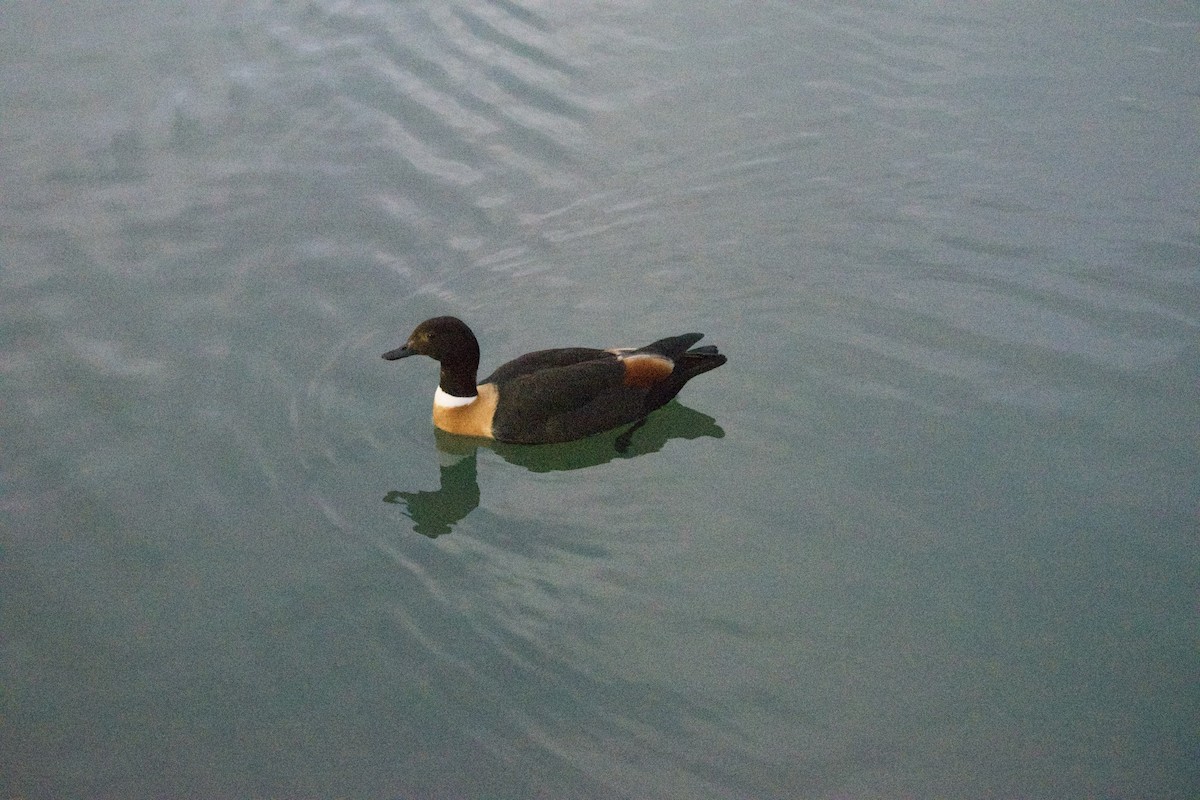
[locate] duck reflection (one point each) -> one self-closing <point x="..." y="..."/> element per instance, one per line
<point x="435" y="513"/>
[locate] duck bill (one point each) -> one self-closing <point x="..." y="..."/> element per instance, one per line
<point x="399" y="352"/>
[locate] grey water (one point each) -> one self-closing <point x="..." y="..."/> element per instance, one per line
<point x="931" y="532"/>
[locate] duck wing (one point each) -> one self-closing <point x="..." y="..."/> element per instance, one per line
<point x="569" y="402"/>
<point x="545" y="360"/>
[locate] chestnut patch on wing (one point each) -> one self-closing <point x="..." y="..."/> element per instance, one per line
<point x="645" y="370"/>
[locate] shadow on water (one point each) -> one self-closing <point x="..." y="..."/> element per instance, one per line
<point x="435" y="513"/>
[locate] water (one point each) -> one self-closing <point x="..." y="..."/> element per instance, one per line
<point x="931" y="532"/>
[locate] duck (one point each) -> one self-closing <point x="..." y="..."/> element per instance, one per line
<point x="552" y="396"/>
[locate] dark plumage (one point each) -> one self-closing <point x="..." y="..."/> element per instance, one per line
<point x="552" y="395"/>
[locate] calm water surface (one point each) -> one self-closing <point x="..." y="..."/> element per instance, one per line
<point x="931" y="532"/>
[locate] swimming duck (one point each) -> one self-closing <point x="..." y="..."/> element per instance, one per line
<point x="551" y="395"/>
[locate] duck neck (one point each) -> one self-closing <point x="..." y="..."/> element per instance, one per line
<point x="458" y="378"/>
<point x="459" y="364"/>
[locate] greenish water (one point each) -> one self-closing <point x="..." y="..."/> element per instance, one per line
<point x="931" y="532"/>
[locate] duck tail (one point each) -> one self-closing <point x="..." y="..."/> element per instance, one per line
<point x="688" y="363"/>
<point x="673" y="346"/>
<point x="697" y="361"/>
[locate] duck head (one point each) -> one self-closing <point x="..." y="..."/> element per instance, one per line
<point x="451" y="343"/>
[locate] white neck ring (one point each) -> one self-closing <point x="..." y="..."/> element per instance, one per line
<point x="443" y="400"/>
